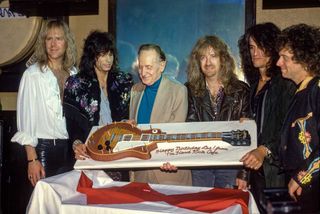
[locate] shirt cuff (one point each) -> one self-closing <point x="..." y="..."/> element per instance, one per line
<point x="24" y="139"/>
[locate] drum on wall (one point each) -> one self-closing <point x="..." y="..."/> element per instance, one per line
<point x="17" y="38"/>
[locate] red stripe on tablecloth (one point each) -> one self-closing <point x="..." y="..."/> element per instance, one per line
<point x="208" y="201"/>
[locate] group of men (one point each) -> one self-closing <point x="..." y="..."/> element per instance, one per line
<point x="213" y="90"/>
<point x="214" y="93"/>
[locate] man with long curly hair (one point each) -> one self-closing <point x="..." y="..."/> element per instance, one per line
<point x="299" y="50"/>
<point x="270" y="96"/>
<point x="215" y="94"/>
<point x="98" y="95"/>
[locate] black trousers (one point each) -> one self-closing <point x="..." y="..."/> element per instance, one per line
<point x="54" y="155"/>
<point x="258" y="184"/>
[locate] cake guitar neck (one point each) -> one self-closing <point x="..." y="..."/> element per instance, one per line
<point x="235" y="138"/>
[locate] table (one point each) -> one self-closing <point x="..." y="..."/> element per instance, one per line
<point x="58" y="194"/>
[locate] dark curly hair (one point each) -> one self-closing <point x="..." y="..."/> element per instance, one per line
<point x="304" y="43"/>
<point x="96" y="44"/>
<point x="265" y="35"/>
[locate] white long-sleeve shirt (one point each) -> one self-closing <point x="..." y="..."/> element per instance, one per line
<point x="39" y="109"/>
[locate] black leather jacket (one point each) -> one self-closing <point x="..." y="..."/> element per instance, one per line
<point x="235" y="104"/>
<point x="277" y="101"/>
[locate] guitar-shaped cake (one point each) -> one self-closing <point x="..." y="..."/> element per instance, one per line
<point x="120" y="140"/>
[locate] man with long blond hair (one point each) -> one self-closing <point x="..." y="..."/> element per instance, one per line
<point x="40" y="120"/>
<point x="215" y="94"/>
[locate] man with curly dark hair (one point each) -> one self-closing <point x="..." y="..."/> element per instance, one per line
<point x="270" y="96"/>
<point x="98" y="95"/>
<point x="299" y="50"/>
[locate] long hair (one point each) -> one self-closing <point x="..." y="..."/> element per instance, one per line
<point x="196" y="78"/>
<point x="265" y="35"/>
<point x="96" y="44"/>
<point x="304" y="42"/>
<point x="70" y="56"/>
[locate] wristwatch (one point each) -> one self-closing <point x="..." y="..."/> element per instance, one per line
<point x="75" y="143"/>
<point x="268" y="152"/>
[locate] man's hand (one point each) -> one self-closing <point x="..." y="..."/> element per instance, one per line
<point x="241" y="184"/>
<point x="254" y="159"/>
<point x="294" y="188"/>
<point x="35" y="168"/>
<point x="131" y="122"/>
<point x="35" y="172"/>
<point x="168" y="167"/>
<point x="242" y="119"/>
<point x="80" y="151"/>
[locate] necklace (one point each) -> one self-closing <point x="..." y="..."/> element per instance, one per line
<point x="216" y="100"/>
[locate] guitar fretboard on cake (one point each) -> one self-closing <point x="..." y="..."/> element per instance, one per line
<point x="235" y="138"/>
<point x="171" y="137"/>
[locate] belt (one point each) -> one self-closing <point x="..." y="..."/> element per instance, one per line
<point x="54" y="141"/>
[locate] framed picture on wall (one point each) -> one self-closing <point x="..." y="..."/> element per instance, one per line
<point x="285" y="4"/>
<point x="176" y="26"/>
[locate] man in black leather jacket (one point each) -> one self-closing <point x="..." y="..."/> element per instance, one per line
<point x="215" y="94"/>
<point x="270" y="96"/>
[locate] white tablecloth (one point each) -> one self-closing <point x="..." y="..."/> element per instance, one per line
<point x="58" y="194"/>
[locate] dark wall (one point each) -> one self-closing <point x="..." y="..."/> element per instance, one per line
<point x="11" y="75"/>
<point x="55" y="7"/>
<point x="15" y="187"/>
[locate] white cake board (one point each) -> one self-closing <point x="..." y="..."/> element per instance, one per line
<point x="185" y="154"/>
